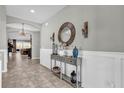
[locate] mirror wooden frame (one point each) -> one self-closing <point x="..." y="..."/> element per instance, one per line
<point x="73" y="33"/>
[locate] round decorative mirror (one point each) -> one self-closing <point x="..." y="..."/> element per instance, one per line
<point x="66" y="33"/>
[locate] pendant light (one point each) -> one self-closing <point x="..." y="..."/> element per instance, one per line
<point x="22" y="32"/>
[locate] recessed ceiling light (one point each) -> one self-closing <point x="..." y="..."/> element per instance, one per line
<point x="32" y="11"/>
<point x="46" y="24"/>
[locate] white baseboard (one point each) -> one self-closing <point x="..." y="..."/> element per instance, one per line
<point x="35" y="57"/>
<point x="4" y="71"/>
<point x="100" y="69"/>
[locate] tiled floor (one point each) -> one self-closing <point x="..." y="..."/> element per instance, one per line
<point x="25" y="73"/>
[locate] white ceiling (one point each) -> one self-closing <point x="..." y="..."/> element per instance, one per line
<point x="19" y="26"/>
<point x="13" y="30"/>
<point x="42" y="12"/>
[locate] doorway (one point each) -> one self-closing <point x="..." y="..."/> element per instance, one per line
<point x="20" y="45"/>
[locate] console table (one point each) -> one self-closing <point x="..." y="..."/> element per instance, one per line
<point x="72" y="61"/>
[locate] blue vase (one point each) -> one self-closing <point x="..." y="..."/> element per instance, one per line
<point x="75" y="52"/>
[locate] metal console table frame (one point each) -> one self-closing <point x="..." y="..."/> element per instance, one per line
<point x="68" y="60"/>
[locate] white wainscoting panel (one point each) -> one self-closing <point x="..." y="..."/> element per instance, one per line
<point x="0" y="73"/>
<point x="4" y="57"/>
<point x="122" y="72"/>
<point x="100" y="69"/>
<point x="45" y="57"/>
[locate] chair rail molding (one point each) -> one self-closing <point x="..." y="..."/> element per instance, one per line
<point x="100" y="69"/>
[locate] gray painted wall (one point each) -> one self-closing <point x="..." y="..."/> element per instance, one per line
<point x="36" y="45"/>
<point x="106" y="25"/>
<point x="110" y="28"/>
<point x="3" y="38"/>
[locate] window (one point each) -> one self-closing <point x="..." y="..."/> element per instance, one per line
<point x="23" y="44"/>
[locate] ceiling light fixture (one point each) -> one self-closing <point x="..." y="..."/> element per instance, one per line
<point x="46" y="24"/>
<point x="32" y="11"/>
<point x="22" y="32"/>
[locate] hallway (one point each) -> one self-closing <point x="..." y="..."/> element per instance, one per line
<point x="26" y="73"/>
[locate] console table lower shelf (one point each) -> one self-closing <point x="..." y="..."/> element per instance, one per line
<point x="67" y="79"/>
<point x="77" y="62"/>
